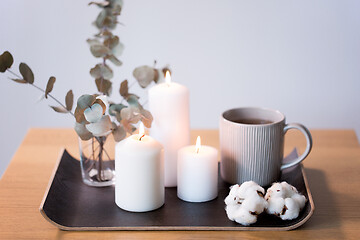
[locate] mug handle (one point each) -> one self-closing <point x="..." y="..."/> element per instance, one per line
<point x="308" y="137"/>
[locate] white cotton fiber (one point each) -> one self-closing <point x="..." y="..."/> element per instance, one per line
<point x="245" y="202"/>
<point x="284" y="200"/>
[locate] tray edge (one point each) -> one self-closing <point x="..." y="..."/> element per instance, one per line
<point x="310" y="199"/>
<point x="52" y="176"/>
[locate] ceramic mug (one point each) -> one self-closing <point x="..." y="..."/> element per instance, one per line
<point x="252" y="145"/>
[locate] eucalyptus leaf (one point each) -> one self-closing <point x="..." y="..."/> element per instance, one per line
<point x="101" y="103"/>
<point x="105" y="19"/>
<point x="82" y="132"/>
<point x="118" y="49"/>
<point x="133" y="101"/>
<point x="119" y="133"/>
<point x="144" y="75"/>
<point x="19" y="80"/>
<point x="85" y="101"/>
<point x="101" y="127"/>
<point x="115" y="45"/>
<point x="104" y="86"/>
<point x="131" y="114"/>
<point x="118" y="116"/>
<point x="69" y="100"/>
<point x="116" y="2"/>
<point x="99" y="22"/>
<point x="94" y="113"/>
<point x="117" y="9"/>
<point x="103" y="100"/>
<point x="100" y="4"/>
<point x="146" y="118"/>
<point x="160" y="76"/>
<point x="79" y="116"/>
<point x="101" y="71"/>
<point x="115" y="108"/>
<point x="124" y="89"/>
<point x="127" y="126"/>
<point x="156" y="75"/>
<point x="99" y="50"/>
<point x="110" y="20"/>
<point x="111" y="42"/>
<point x="50" y="85"/>
<point x="6" y="61"/>
<point x="59" y="109"/>
<point x="114" y="60"/>
<point x="26" y="72"/>
<point x="94" y="41"/>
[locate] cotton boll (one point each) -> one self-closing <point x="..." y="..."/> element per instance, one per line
<point x="275" y="206"/>
<point x="250" y="189"/>
<point x="283" y="200"/>
<point x="233" y="197"/>
<point x="232" y="211"/>
<point x="287" y="189"/>
<point x="277" y="190"/>
<point x="291" y="209"/>
<point x="245" y="218"/>
<point x="254" y="204"/>
<point x="245" y="202"/>
<point x="300" y="199"/>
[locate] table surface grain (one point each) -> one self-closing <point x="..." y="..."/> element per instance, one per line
<point x="332" y="168"/>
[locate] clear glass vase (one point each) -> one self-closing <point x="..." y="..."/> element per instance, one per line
<point x="97" y="161"/>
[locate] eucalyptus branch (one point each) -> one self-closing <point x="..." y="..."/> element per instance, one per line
<point x="51" y="96"/>
<point x="15" y="74"/>
<point x="132" y="84"/>
<point x="42" y="90"/>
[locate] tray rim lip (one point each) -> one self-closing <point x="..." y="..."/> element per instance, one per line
<point x="172" y="228"/>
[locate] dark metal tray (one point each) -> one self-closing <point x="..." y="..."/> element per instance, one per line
<point x="69" y="204"/>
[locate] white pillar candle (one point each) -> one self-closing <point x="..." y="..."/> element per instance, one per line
<point x="197" y="173"/>
<point x="169" y="105"/>
<point x="139" y="167"/>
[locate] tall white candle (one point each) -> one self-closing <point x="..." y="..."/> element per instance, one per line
<point x="139" y="167"/>
<point x="197" y="173"/>
<point x="169" y="105"/>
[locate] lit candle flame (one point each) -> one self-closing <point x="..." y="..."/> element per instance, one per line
<point x="198" y="144"/>
<point x="141" y="131"/>
<point x="167" y="77"/>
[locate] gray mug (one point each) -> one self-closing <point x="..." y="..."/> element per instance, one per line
<point x="252" y="145"/>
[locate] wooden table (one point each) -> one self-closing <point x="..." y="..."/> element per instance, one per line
<point x="333" y="171"/>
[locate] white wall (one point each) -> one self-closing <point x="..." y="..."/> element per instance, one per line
<point x="301" y="57"/>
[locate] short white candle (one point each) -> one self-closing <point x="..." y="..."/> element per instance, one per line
<point x="169" y="105"/>
<point x="197" y="173"/>
<point x="139" y="167"/>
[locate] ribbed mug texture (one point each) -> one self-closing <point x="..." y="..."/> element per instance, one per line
<point x="251" y="152"/>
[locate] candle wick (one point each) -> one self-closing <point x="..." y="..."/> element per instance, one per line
<point x="197" y="150"/>
<point x="141" y="137"/>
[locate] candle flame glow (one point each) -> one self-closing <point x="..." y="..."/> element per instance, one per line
<point x="167" y="77"/>
<point x="198" y="144"/>
<point x="141" y="131"/>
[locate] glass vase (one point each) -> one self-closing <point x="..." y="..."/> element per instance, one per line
<point x="97" y="161"/>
